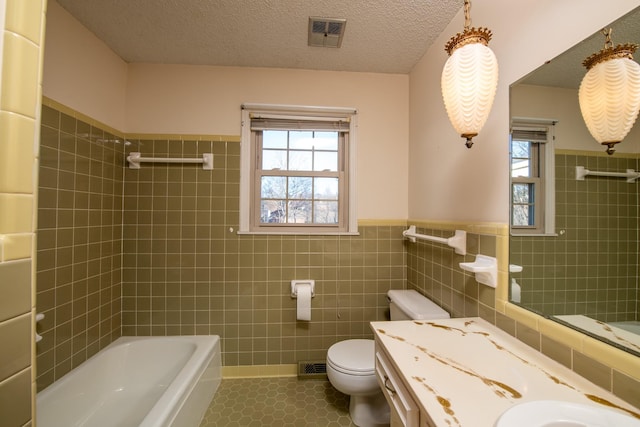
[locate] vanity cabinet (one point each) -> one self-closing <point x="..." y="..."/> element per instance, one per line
<point x="467" y="372"/>
<point x="402" y="404"/>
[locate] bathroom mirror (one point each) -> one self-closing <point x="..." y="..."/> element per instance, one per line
<point x="581" y="266"/>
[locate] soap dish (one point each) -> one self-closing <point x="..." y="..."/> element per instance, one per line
<point x="485" y="269"/>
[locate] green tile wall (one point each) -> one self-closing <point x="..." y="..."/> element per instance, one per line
<point x="187" y="271"/>
<point x="433" y="269"/>
<point x="78" y="242"/>
<point x="591" y="267"/>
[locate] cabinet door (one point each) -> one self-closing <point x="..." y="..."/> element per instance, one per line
<point x="404" y="410"/>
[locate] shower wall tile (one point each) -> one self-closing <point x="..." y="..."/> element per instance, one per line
<point x="15" y="399"/>
<point x="23" y="18"/>
<point x="22" y="34"/>
<point x="78" y="241"/>
<point x="19" y="93"/>
<point x="16" y="166"/>
<point x="18" y="356"/>
<point x="15" y="288"/>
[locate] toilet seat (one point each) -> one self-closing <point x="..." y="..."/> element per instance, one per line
<point x="353" y="357"/>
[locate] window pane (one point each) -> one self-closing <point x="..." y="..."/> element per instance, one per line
<point x="274" y="159"/>
<point x="521" y="159"/>
<point x="521" y="148"/>
<point x="325" y="141"/>
<point x="521" y="215"/>
<point x="300" y="139"/>
<point x="300" y="187"/>
<point x="299" y="212"/>
<point x="300" y="160"/>
<point x="325" y="188"/>
<point x="523" y="204"/>
<point x="273" y="211"/>
<point x="520" y="167"/>
<point x="325" y="161"/>
<point x="523" y="193"/>
<point x="273" y="187"/>
<point x="274" y="139"/>
<point x="325" y="212"/>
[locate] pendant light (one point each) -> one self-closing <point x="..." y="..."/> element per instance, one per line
<point x="469" y="78"/>
<point x="609" y="94"/>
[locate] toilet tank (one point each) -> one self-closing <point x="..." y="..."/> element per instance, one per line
<point x="411" y="305"/>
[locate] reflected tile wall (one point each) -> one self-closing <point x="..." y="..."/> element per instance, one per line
<point x="187" y="271"/>
<point x="78" y="241"/>
<point x="590" y="268"/>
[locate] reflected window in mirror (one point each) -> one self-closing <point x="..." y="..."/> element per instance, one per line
<point x="532" y="178"/>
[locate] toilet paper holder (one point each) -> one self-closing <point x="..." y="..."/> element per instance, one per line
<point x="294" y="290"/>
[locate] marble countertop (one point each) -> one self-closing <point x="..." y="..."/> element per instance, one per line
<point x="467" y="372"/>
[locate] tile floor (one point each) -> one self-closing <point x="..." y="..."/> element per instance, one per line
<point x="249" y="402"/>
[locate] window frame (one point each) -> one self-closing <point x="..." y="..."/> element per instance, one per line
<point x="250" y="174"/>
<point x="542" y="180"/>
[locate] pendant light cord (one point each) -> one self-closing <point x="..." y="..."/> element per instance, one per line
<point x="467" y="14"/>
<point x="608" y="43"/>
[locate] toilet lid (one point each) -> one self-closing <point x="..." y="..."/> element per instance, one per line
<point x="355" y="356"/>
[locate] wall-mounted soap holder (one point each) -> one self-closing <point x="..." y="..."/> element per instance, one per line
<point x="39" y="317"/>
<point x="485" y="269"/>
<point x="513" y="268"/>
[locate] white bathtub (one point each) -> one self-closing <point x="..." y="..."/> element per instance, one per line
<point x="136" y="381"/>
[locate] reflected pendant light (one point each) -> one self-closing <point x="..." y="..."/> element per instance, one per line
<point x="609" y="94"/>
<point x="469" y="78"/>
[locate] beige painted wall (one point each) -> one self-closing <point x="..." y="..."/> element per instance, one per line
<point x="562" y="105"/>
<point x="80" y="71"/>
<point x="447" y="181"/>
<point x="206" y="100"/>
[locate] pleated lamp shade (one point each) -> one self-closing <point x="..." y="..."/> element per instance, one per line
<point x="469" y="81"/>
<point x="609" y="94"/>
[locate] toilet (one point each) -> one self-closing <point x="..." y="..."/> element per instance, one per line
<point x="351" y="363"/>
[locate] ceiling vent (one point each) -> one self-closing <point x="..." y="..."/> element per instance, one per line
<point x="326" y="32"/>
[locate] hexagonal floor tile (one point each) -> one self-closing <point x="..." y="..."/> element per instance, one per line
<point x="277" y="402"/>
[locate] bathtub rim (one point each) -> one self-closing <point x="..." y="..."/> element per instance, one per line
<point x="165" y="410"/>
<point x="173" y="399"/>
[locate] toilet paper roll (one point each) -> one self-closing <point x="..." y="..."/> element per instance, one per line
<point x="303" y="292"/>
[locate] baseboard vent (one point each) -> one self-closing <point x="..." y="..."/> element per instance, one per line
<point x="312" y="370"/>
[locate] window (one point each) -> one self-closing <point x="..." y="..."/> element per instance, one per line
<point x="297" y="173"/>
<point x="532" y="183"/>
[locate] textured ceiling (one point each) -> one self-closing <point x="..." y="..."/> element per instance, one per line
<point x="386" y="36"/>
<point x="566" y="70"/>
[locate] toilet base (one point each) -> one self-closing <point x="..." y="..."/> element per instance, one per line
<point x="369" y="411"/>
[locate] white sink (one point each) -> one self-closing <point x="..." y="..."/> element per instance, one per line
<point x="555" y="413"/>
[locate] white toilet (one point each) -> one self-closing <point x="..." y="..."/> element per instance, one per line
<point x="351" y="363"/>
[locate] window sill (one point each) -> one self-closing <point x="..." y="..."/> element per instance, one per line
<point x="300" y="233"/>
